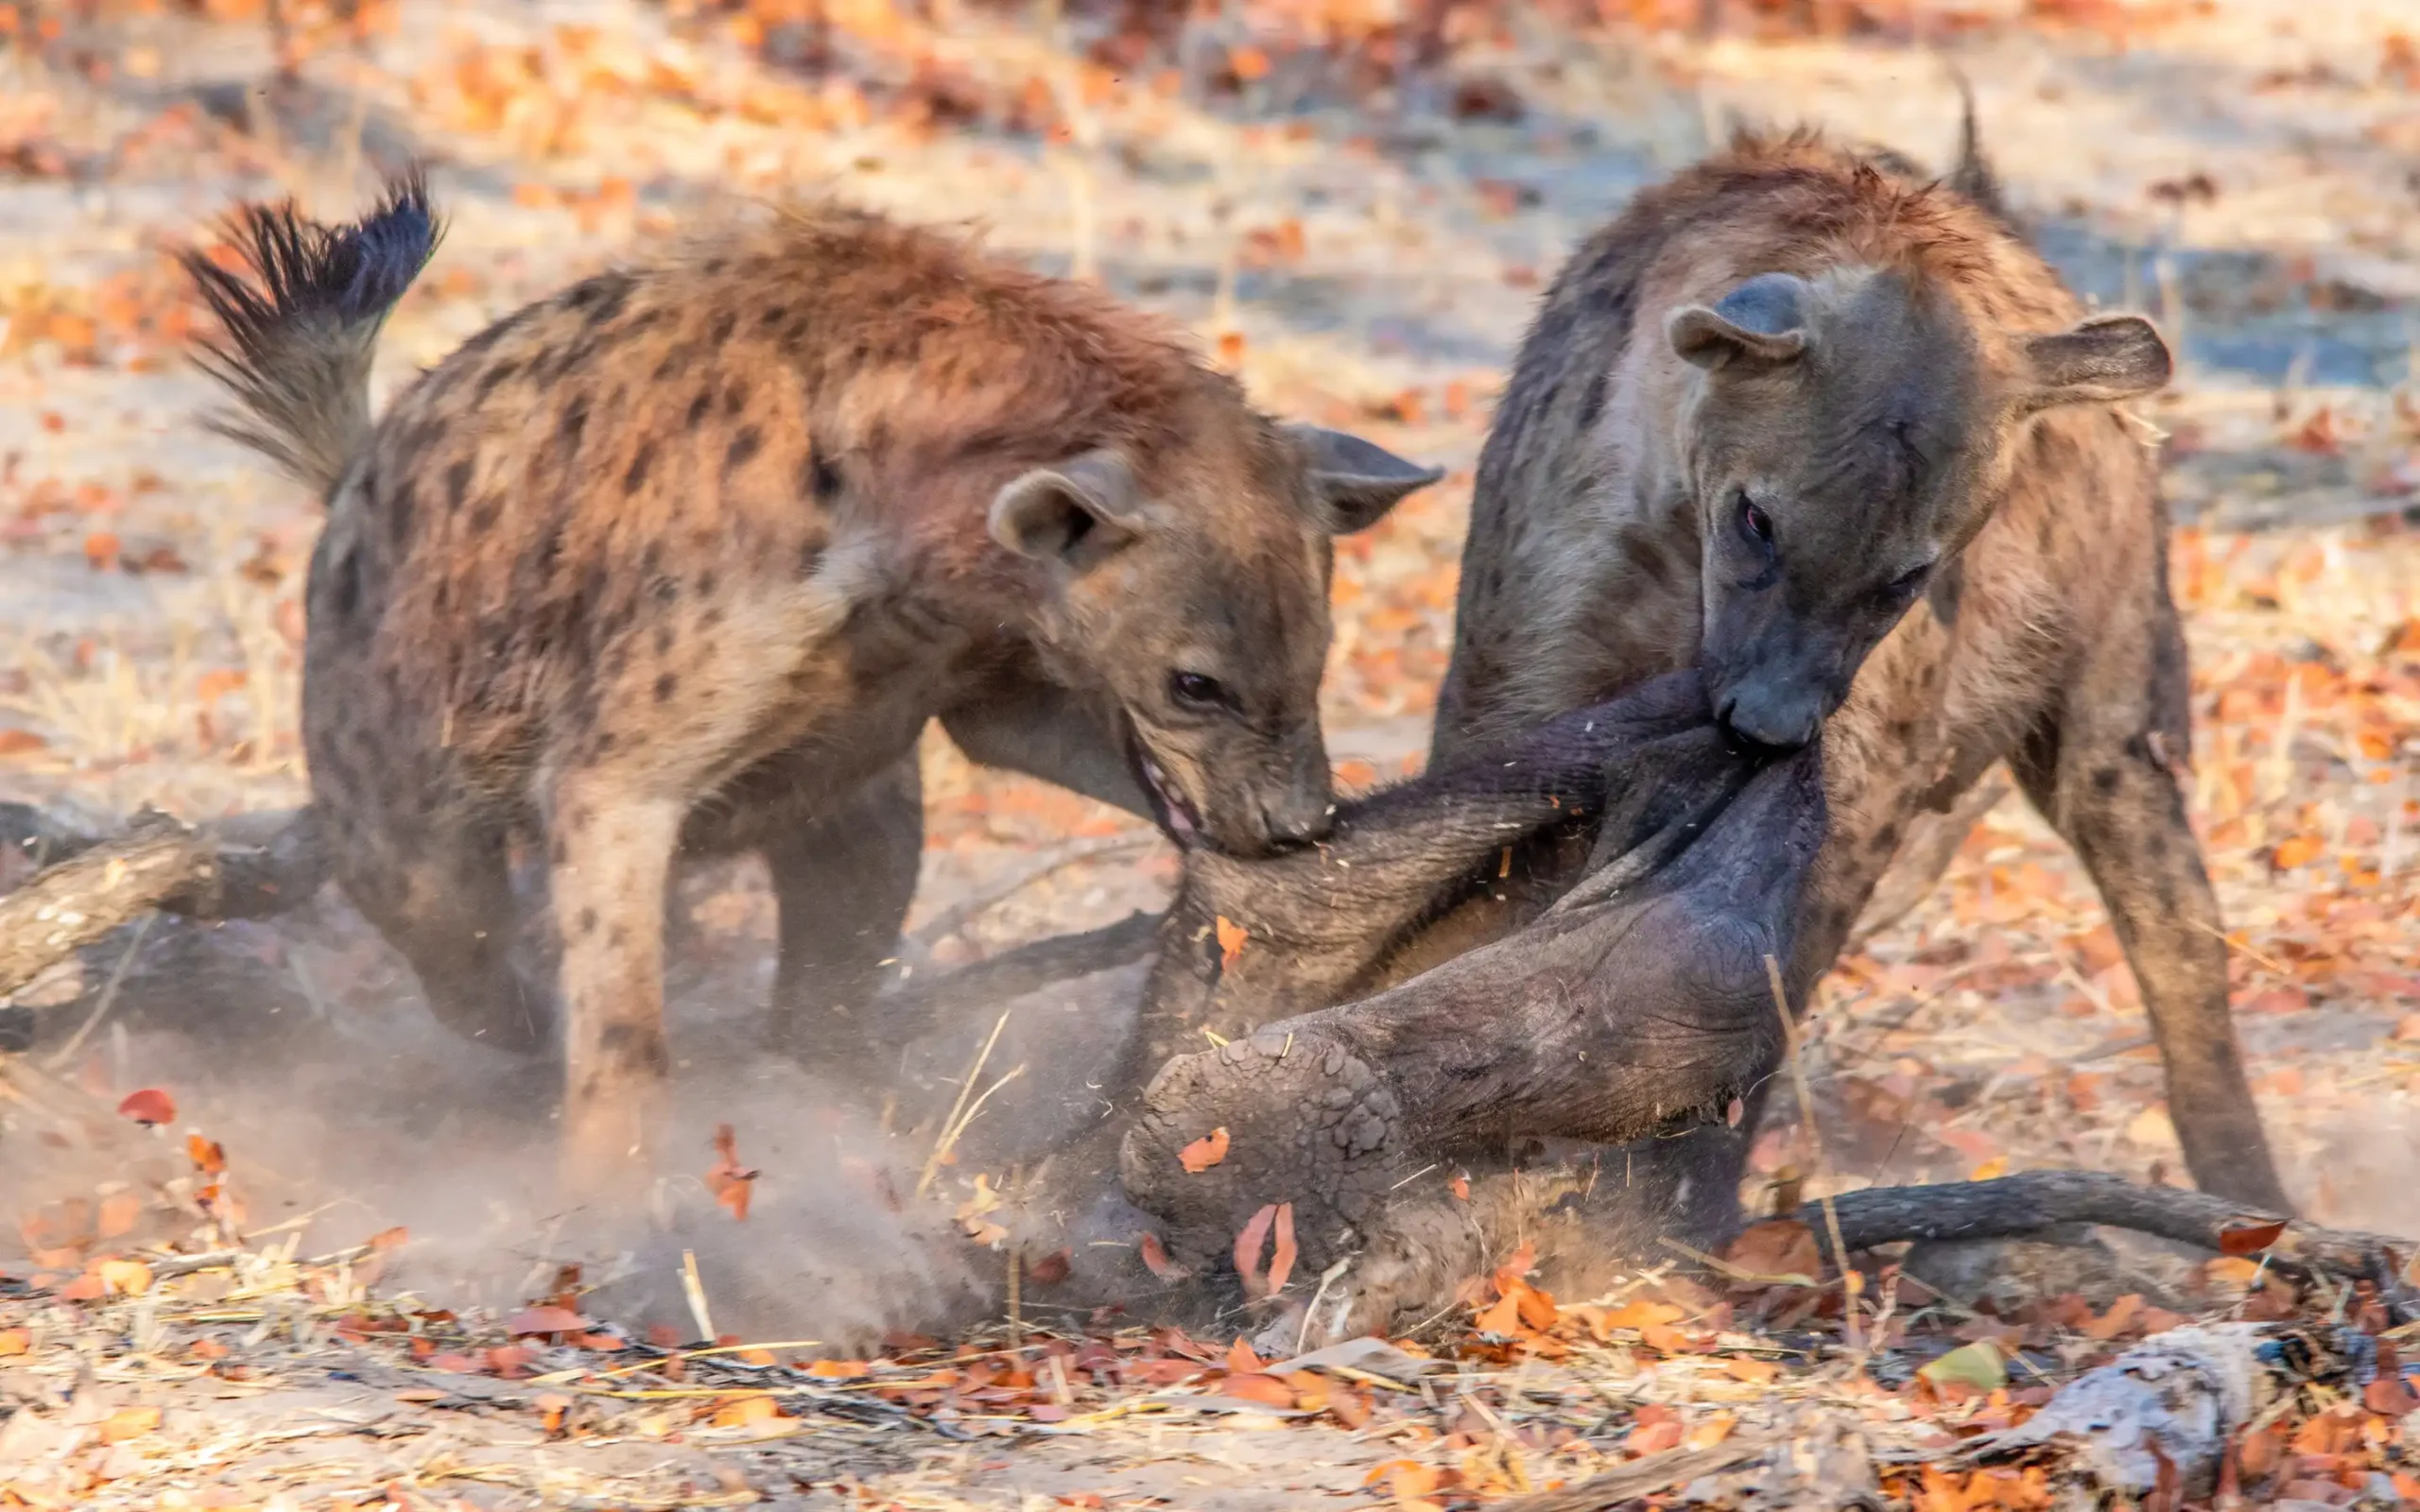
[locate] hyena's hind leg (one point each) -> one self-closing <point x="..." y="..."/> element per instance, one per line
<point x="843" y="881"/>
<point x="440" y="890"/>
<point x="2103" y="770"/>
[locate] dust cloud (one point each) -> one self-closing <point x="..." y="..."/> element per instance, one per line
<point x="345" y="1108"/>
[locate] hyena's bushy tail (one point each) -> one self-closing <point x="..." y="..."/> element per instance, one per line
<point x="301" y="323"/>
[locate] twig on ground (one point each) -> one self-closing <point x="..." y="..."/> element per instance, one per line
<point x="1815" y="1153"/>
<point x="950" y="1125"/>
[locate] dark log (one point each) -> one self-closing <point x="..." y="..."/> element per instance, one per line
<point x="156" y="864"/>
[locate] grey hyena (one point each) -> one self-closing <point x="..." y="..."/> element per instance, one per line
<point x="1840" y="438"/>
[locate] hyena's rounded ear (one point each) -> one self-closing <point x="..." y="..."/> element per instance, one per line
<point x="2107" y="357"/>
<point x="1075" y="512"/>
<point x="1762" y="323"/>
<point x="1355" y="482"/>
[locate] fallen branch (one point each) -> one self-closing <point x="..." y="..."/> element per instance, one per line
<point x="2031" y="1202"/>
<point x="1645" y="1476"/>
<point x="156" y="864"/>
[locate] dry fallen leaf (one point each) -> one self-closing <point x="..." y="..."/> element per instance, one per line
<point x="1205" y="1152"/>
<point x="1284" y="1253"/>
<point x="15" y="1341"/>
<point x="1248" y="1241"/>
<point x="2249" y="1236"/>
<point x="130" y="1422"/>
<point x="547" y="1320"/>
<point x="1710" y="1432"/>
<point x="731" y="1183"/>
<point x="1267" y="1390"/>
<point x="150" y="1105"/>
<point x="747" y="1410"/>
<point x="1156" y="1261"/>
<point x="1232" y="937"/>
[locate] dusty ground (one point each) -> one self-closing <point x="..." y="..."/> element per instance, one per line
<point x="2244" y="169"/>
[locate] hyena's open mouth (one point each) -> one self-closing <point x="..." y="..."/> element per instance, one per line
<point x="1177" y="816"/>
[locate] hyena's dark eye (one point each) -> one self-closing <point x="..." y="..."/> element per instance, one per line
<point x="1757" y="525"/>
<point x="1904" y="587"/>
<point x="1195" y="691"/>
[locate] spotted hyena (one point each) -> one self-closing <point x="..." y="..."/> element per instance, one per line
<point x="1839" y="437"/>
<point x="682" y="558"/>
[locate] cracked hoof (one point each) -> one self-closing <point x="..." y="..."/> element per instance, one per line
<point x="1309" y="1123"/>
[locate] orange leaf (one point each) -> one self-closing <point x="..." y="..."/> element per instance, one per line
<point x="148" y="1106"/>
<point x="125" y="1278"/>
<point x="745" y="1411"/>
<point x="2122" y="1314"/>
<point x="1231" y="942"/>
<point x="1283" y="1255"/>
<point x="1248" y="1243"/>
<point x="102" y="549"/>
<point x="2249" y="1236"/>
<point x="1248" y="62"/>
<point x="1460" y="1188"/>
<point x="1653" y="1438"/>
<point x="15" y="1341"/>
<point x="1205" y="1152"/>
<point x="1754" y="1372"/>
<point x="1711" y="1431"/>
<point x="553" y="1404"/>
<point x="731" y="1183"/>
<point x="217" y="684"/>
<point x="1156" y="1261"/>
<point x="1251" y="1386"/>
<point x="1502" y="1319"/>
<point x="1241" y="1359"/>
<point x="547" y="1320"/>
<point x="1521" y="1262"/>
<point x="1665" y="1339"/>
<point x="2295" y="851"/>
<point x="18" y="742"/>
<point x="838" y="1370"/>
<point x="131" y="1422"/>
<point x="206" y="1155"/>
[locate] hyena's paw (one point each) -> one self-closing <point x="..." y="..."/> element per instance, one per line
<point x="1309" y="1123"/>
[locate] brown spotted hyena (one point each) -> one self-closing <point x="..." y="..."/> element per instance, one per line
<point x="683" y="559"/>
<point x="1841" y="438"/>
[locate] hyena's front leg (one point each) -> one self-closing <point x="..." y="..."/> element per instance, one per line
<point x="611" y="844"/>
<point x="2102" y="772"/>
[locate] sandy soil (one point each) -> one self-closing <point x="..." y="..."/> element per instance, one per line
<point x="2243" y="169"/>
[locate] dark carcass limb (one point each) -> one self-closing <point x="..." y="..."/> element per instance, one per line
<point x="2033" y="1202"/>
<point x="1643" y="1011"/>
<point x="92" y="885"/>
<point x="1248" y="943"/>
